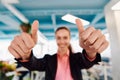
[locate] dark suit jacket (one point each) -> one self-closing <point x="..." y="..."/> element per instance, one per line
<point x="48" y="64"/>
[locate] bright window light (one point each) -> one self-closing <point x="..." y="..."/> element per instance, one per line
<point x="70" y="18"/>
<point x="116" y="6"/>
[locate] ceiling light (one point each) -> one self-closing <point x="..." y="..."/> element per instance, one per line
<point x="16" y="12"/>
<point x="10" y="1"/>
<point x="70" y="18"/>
<point x="116" y="6"/>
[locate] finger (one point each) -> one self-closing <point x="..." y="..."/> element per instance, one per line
<point x="98" y="42"/>
<point x="19" y="51"/>
<point x="28" y="41"/>
<point x="13" y="52"/>
<point x="93" y="37"/>
<point x="85" y="35"/>
<point x="103" y="47"/>
<point x="19" y="41"/>
<point x="34" y="30"/>
<point x="79" y="25"/>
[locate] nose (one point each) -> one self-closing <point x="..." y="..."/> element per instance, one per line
<point x="62" y="41"/>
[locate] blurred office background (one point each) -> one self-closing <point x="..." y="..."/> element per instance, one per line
<point x="49" y="13"/>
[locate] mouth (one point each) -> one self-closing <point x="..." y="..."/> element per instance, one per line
<point x="62" y="46"/>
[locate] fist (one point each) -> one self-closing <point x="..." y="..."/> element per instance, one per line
<point x="90" y="39"/>
<point x="22" y="44"/>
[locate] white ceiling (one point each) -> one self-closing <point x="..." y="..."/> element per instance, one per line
<point x="49" y="13"/>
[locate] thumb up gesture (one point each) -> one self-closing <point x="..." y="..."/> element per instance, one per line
<point x="22" y="44"/>
<point x="92" y="40"/>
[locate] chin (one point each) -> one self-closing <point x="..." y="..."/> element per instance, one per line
<point x="63" y="48"/>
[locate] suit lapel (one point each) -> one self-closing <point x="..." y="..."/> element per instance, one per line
<point x="54" y="65"/>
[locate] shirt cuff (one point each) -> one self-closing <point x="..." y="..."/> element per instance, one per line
<point x="90" y="59"/>
<point x="21" y="60"/>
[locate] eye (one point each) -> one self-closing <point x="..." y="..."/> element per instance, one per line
<point x="58" y="38"/>
<point x="65" y="37"/>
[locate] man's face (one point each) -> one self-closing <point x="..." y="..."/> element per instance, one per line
<point x="62" y="38"/>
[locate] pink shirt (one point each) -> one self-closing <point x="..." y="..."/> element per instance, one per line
<point x="63" y="68"/>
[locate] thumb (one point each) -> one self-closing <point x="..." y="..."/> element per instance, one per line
<point x="34" y="30"/>
<point x="79" y="25"/>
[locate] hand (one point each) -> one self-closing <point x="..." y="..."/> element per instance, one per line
<point x="90" y="39"/>
<point x="22" y="44"/>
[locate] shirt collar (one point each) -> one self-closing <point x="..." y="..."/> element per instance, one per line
<point x="67" y="54"/>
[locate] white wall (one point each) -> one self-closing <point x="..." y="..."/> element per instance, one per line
<point x="113" y="24"/>
<point x="4" y="53"/>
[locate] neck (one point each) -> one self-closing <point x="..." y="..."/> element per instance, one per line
<point x="62" y="51"/>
